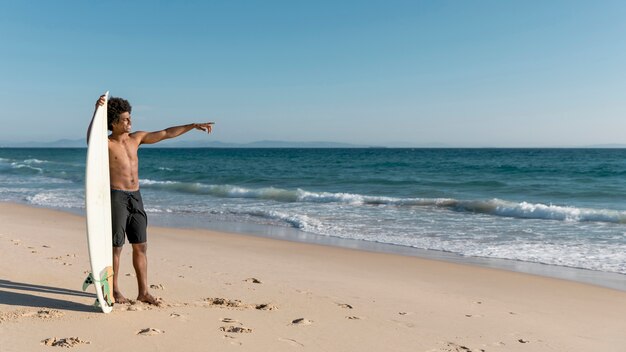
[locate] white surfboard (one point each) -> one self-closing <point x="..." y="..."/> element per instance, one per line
<point x="98" y="209"/>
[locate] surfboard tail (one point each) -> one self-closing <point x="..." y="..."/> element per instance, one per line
<point x="104" y="287"/>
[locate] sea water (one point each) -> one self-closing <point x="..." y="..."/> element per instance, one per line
<point x="561" y="207"/>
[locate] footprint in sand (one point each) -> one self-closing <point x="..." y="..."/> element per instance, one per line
<point x="41" y="313"/>
<point x="132" y="308"/>
<point x="301" y="322"/>
<point x="252" y="280"/>
<point x="230" y="321"/>
<point x="157" y="287"/>
<point x="137" y="306"/>
<point x="345" y="305"/>
<point x="454" y="347"/>
<point x="226" y="303"/>
<point x="44" y="314"/>
<point x="149" y="332"/>
<point x="237" y="304"/>
<point x="67" y="342"/>
<point x="236" y="329"/>
<point x="353" y="317"/>
<point x="265" y="306"/>
<point x="12" y="315"/>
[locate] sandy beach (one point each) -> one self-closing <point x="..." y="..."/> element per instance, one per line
<point x="224" y="291"/>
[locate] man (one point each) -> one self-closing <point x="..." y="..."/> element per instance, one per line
<point x="128" y="216"/>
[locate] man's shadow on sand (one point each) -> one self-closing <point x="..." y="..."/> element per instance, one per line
<point x="9" y="296"/>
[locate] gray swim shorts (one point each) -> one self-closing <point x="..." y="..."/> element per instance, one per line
<point x="128" y="217"/>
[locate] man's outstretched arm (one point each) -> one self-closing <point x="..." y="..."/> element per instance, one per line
<point x="155" y="137"/>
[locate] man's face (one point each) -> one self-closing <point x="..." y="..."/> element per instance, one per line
<point x="123" y="124"/>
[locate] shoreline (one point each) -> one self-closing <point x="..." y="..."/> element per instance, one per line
<point x="241" y="291"/>
<point x="611" y="280"/>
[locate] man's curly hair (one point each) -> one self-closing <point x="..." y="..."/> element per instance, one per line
<point x="116" y="106"/>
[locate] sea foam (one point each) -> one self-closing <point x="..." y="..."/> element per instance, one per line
<point x="495" y="207"/>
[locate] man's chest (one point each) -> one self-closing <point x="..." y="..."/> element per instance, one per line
<point x="122" y="153"/>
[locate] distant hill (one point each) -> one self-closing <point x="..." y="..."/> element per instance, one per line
<point x="607" y="146"/>
<point x="277" y="144"/>
<point x="80" y="143"/>
<point x="61" y="143"/>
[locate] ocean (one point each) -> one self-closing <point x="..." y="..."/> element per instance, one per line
<point x="564" y="208"/>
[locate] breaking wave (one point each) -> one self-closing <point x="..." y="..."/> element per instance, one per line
<point x="495" y="207"/>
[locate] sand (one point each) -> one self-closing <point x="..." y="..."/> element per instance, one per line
<point x="234" y="292"/>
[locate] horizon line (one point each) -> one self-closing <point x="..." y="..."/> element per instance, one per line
<point x="73" y="143"/>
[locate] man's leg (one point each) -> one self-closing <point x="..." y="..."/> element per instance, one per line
<point x="140" y="262"/>
<point x="119" y="214"/>
<point x="117" y="294"/>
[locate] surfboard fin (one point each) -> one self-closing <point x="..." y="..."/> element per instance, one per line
<point x="88" y="281"/>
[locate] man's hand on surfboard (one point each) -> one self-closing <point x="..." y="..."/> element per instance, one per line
<point x="100" y="101"/>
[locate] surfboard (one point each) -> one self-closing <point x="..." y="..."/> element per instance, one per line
<point x="98" y="210"/>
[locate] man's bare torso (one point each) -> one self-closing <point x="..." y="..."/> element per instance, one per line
<point x="124" y="163"/>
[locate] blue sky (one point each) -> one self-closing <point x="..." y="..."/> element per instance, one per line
<point x="461" y="73"/>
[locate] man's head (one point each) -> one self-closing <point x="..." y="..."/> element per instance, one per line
<point x="117" y="107"/>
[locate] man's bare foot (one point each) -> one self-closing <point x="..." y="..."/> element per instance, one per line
<point x="119" y="298"/>
<point x="148" y="298"/>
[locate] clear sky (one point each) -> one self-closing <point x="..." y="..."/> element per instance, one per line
<point x="462" y="73"/>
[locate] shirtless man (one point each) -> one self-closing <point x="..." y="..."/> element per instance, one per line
<point x="128" y="216"/>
